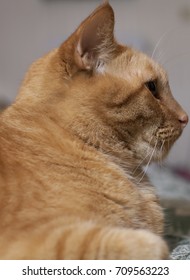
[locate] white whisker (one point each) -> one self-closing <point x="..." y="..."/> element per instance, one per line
<point x="146" y="168"/>
<point x="147" y="155"/>
<point x="160" y="152"/>
<point x="162" y="55"/>
<point x="168" y="142"/>
<point x="160" y="40"/>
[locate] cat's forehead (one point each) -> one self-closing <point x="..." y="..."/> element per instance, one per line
<point x="133" y="64"/>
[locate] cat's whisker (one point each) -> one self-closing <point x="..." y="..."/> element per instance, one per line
<point x="160" y="161"/>
<point x="162" y="50"/>
<point x="162" y="37"/>
<point x="147" y="155"/>
<point x="151" y="156"/>
<point x="168" y="142"/>
<point x="162" y="55"/>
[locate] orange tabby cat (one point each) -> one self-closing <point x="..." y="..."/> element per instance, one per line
<point x="88" y="114"/>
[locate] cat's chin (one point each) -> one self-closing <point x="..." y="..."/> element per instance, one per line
<point x="153" y="153"/>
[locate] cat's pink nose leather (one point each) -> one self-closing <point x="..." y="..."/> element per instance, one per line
<point x="183" y="119"/>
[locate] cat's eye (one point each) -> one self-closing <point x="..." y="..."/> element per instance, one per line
<point x="151" y="85"/>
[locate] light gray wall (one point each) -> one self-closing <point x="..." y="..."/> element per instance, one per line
<point x="30" y="28"/>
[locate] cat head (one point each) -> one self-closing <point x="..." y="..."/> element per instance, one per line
<point x="111" y="96"/>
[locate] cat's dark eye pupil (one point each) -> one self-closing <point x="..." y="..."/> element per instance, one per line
<point x="151" y="85"/>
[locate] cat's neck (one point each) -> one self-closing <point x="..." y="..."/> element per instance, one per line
<point x="44" y="132"/>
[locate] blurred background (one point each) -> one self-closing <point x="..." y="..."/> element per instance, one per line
<point x="30" y="28"/>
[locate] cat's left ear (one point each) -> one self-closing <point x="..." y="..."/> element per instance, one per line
<point x="96" y="44"/>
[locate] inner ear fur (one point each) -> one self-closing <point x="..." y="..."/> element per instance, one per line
<point x="96" y="38"/>
<point x="92" y="43"/>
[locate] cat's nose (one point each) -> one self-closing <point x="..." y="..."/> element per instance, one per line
<point x="183" y="119"/>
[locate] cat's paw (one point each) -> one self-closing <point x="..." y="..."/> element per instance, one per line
<point x="137" y="244"/>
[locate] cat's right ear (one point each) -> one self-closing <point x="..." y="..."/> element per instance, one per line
<point x="93" y="43"/>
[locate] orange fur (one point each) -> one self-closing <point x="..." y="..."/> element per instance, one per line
<point x="72" y="147"/>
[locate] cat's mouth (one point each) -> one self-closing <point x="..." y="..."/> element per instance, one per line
<point x="164" y="139"/>
<point x="156" y="147"/>
<point x="168" y="133"/>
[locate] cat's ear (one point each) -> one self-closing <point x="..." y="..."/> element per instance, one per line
<point x="95" y="39"/>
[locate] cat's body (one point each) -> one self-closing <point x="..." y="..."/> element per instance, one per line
<point x="71" y="149"/>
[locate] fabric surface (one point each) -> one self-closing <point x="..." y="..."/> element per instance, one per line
<point x="182" y="251"/>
